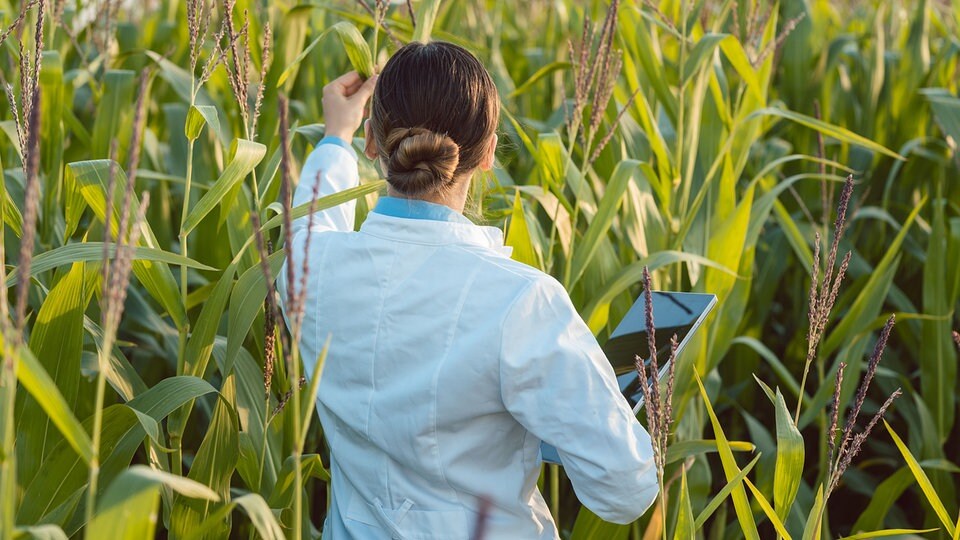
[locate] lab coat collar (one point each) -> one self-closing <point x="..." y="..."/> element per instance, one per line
<point x="428" y="231"/>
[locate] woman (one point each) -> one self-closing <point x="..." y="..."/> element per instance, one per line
<point x="449" y="362"/>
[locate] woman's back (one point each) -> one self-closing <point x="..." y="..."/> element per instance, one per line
<point x="449" y="362"/>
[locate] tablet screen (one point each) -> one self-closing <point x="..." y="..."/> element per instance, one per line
<point x="673" y="313"/>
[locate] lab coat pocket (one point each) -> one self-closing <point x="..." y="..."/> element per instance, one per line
<point x="408" y="522"/>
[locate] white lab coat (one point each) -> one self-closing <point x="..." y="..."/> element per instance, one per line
<point x="448" y="364"/>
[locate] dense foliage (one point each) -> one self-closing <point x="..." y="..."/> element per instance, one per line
<point x="148" y="389"/>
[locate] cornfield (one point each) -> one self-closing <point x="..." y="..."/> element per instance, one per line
<point x="798" y="159"/>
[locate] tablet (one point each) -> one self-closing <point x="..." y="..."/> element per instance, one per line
<point x="673" y="313"/>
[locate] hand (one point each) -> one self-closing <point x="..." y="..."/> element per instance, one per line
<point x="343" y="102"/>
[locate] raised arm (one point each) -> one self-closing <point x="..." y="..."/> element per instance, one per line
<point x="333" y="163"/>
<point x="558" y="384"/>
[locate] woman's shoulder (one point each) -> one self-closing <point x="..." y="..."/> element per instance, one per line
<point x="500" y="268"/>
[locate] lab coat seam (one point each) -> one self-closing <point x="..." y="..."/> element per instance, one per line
<point x="436" y="376"/>
<point x="503" y="325"/>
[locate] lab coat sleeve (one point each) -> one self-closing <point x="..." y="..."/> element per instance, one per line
<point x="556" y="381"/>
<point x="333" y="163"/>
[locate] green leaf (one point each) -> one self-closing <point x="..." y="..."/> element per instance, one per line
<point x="426" y="18"/>
<point x="518" y="236"/>
<point x="213" y="465"/>
<point x="535" y="78"/>
<point x="246" y="155"/>
<point x="685" y="522"/>
<point x="199" y="116"/>
<point x="92" y="179"/>
<point x="681" y="450"/>
<point x="814" y="525"/>
<point x="358" y="52"/>
<point x="924" y="482"/>
<point x="38" y="383"/>
<point x="114" y="111"/>
<point x="730" y="469"/>
<point x="724" y="493"/>
<point x="40" y="532"/>
<point x="63" y="474"/>
<point x="57" y="343"/>
<point x="328" y="201"/>
<point x="200" y="344"/>
<point x="887" y="532"/>
<point x="938" y="359"/>
<point x="93" y="252"/>
<point x="871" y="297"/>
<point x="256" y="509"/>
<point x="128" y="509"/>
<point x="246" y="300"/>
<point x="602" y="220"/>
<point x="790" y="455"/>
<point x="589" y="526"/>
<point x="830" y="130"/>
<point x="311" y="466"/>
<point x="768" y="510"/>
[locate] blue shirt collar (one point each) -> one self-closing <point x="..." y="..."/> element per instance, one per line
<point x="418" y="209"/>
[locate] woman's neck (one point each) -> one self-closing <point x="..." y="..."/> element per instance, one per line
<point x="455" y="198"/>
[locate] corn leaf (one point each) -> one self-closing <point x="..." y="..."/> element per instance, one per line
<point x="38" y="383"/>
<point x="830" y="130"/>
<point x="923" y="481"/>
<point x="724" y="492"/>
<point x="256" y="509"/>
<point x="686" y="527"/>
<point x="246" y="155"/>
<point x="789" y="465"/>
<point x="601" y="222"/>
<point x="426" y="18"/>
<point x="93" y="252"/>
<point x="886" y="532"/>
<point x="681" y="450"/>
<point x="213" y="465"/>
<point x="518" y="236"/>
<point x="246" y="300"/>
<point x="128" y="509"/>
<point x="730" y="469"/>
<point x="768" y="510"/>
<point x="358" y="52"/>
<point x="322" y="203"/>
<point x="92" y="179"/>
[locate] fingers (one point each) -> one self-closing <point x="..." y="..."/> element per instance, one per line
<point x="363" y="93"/>
<point x="346" y="80"/>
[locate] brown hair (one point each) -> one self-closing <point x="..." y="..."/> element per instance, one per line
<point x="434" y="111"/>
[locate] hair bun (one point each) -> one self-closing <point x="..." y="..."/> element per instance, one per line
<point x="420" y="161"/>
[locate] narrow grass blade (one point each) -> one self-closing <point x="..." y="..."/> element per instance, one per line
<point x="683" y="449"/>
<point x="768" y="510"/>
<point x="924" y="482"/>
<point x="730" y="469"/>
<point x="685" y="524"/>
<point x="887" y="532"/>
<point x="724" y="492"/>
<point x="830" y="130"/>
<point x="93" y="252"/>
